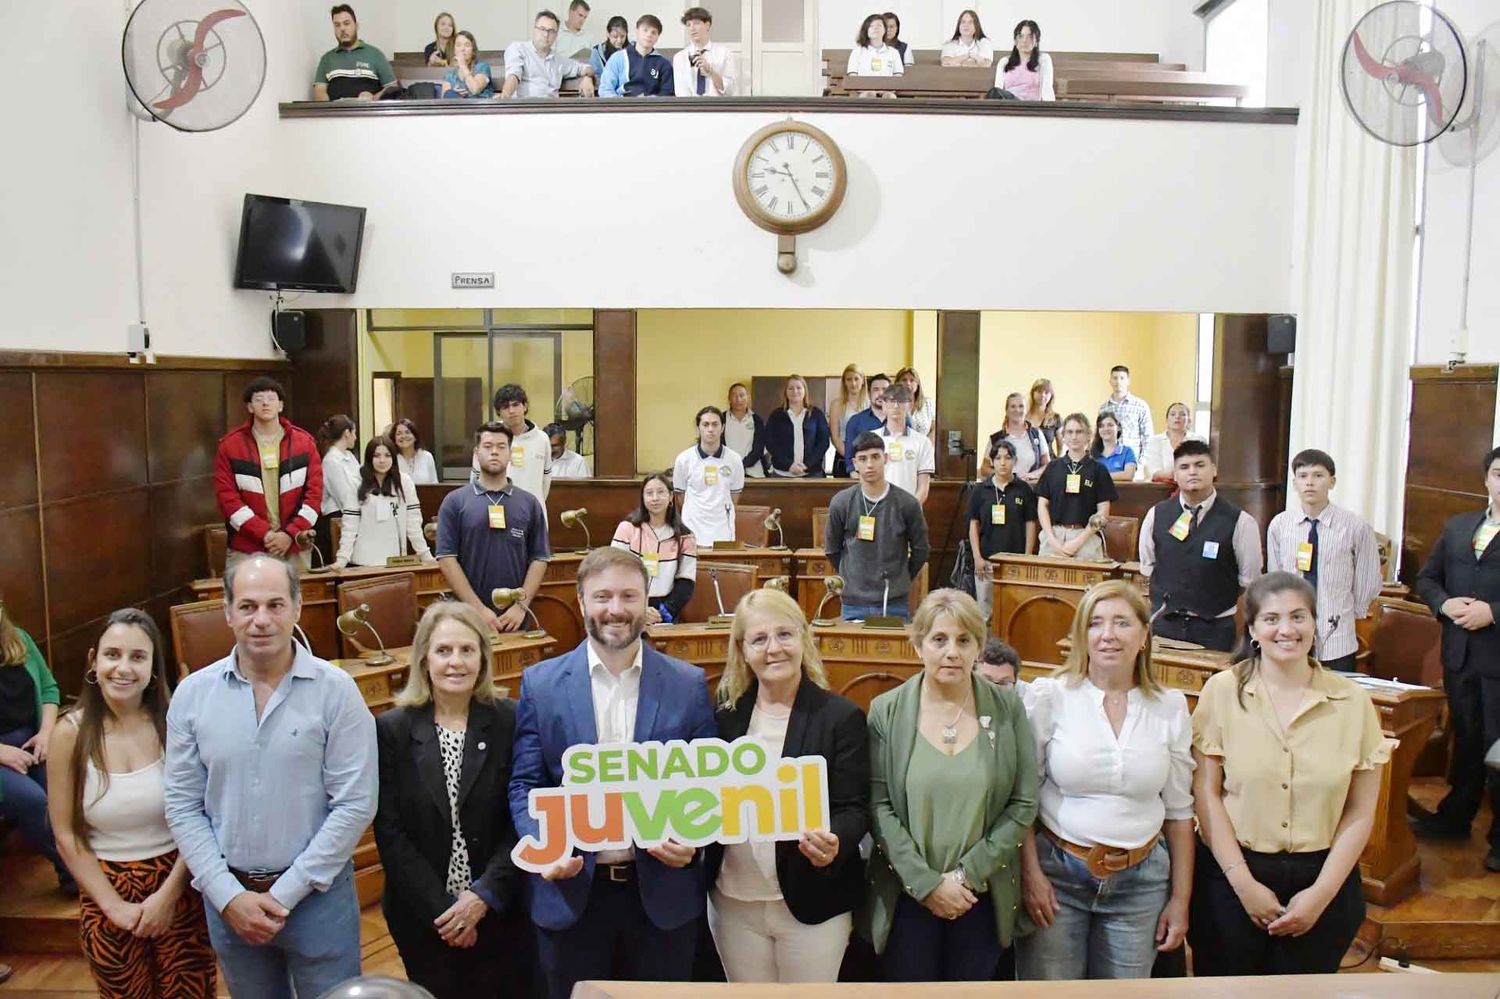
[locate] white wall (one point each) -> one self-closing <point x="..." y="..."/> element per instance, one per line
<point x="1288" y="59"/>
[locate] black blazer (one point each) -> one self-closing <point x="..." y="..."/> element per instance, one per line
<point x="816" y="440"/>
<point x="1452" y="571"/>
<point x="413" y="826"/>
<point x="827" y="725"/>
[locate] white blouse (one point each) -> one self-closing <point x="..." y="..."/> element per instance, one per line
<point x="1158" y="453"/>
<point x="341" y="473"/>
<point x="749" y="870"/>
<point x="382" y="526"/>
<point x="922" y="417"/>
<point x="422" y="468"/>
<point x="979" y="49"/>
<point x="1099" y="788"/>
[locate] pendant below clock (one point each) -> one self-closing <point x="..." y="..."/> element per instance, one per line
<point x="789" y="178"/>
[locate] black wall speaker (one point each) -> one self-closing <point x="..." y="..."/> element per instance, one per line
<point x="1281" y="334"/>
<point x="290" y="330"/>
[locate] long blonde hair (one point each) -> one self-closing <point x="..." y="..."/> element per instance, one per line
<point x="1048" y="413"/>
<point x="918" y="396"/>
<point x="1076" y="668"/>
<point x="446" y="48"/>
<point x="12" y="648"/>
<point x="418" y="689"/>
<point x="737" y="675"/>
<point x="861" y="401"/>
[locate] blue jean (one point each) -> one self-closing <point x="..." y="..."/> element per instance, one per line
<point x="23" y="800"/>
<point x="1102" y="929"/>
<point x="317" y="948"/>
<point x="858" y="612"/>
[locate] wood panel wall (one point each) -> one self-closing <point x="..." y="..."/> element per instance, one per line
<point x="1250" y="416"/>
<point x="107" y="488"/>
<point x="957" y="390"/>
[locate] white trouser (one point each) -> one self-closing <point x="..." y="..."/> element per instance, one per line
<point x="984" y="592"/>
<point x="764" y="942"/>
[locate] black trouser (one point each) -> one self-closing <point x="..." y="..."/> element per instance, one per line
<point x="925" y="948"/>
<point x="1474" y="713"/>
<point x="1211" y="633"/>
<point x="1226" y="941"/>
<point x="1343" y="664"/>
<point x="499" y="966"/>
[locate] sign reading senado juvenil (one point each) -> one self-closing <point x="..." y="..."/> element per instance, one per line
<point x="705" y="791"/>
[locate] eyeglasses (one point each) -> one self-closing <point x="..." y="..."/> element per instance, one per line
<point x="785" y="637"/>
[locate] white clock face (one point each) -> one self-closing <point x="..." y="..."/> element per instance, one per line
<point x="790" y="175"/>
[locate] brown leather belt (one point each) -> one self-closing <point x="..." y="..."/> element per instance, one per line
<point x="260" y="881"/>
<point x="1104" y="861"/>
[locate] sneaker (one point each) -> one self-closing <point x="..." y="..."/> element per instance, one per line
<point x="5" y="973"/>
<point x="1491" y="863"/>
<point x="1437" y="827"/>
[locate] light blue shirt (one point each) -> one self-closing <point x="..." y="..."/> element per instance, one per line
<point x="291" y="792"/>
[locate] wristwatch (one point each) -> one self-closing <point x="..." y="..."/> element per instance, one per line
<point x="959" y="877"/>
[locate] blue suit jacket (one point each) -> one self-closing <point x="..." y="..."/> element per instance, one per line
<point x="556" y="711"/>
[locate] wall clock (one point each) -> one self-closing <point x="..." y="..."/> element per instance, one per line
<point x="789" y="178"/>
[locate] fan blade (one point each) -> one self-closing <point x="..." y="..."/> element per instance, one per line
<point x="194" y="81"/>
<point x="1404" y="73"/>
<point x="1369" y="63"/>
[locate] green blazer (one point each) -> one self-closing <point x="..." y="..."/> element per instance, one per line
<point x="896" y="864"/>
<point x="42" y="680"/>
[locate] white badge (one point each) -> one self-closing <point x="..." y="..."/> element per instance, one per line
<point x="1210" y="549"/>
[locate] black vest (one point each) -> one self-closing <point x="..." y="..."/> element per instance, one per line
<point x="1183" y="578"/>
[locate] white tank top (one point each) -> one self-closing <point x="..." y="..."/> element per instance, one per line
<point x="130" y="821"/>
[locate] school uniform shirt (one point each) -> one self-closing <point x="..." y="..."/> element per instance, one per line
<point x="867" y="61"/>
<point x="493" y="549"/>
<point x="531" y="462"/>
<point x="630" y="74"/>
<point x="740" y="434"/>
<point x="1285" y="791"/>
<point x="341" y="475"/>
<point x="1117" y="459"/>
<point x="689" y="83"/>
<point x="571" y="465"/>
<point x="978" y="48"/>
<point x="1002" y="515"/>
<point x="539" y="75"/>
<point x="1073" y="509"/>
<point x="1246" y="543"/>
<point x="1347" y="560"/>
<point x="668" y="555"/>
<point x="1134" y="416"/>
<point x="907" y="456"/>
<point x="708" y="484"/>
<point x="380" y="526"/>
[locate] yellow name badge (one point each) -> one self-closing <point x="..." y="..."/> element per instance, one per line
<point x="876" y="65"/>
<point x="497" y="517"/>
<point x="1075" y="483"/>
<point x="710" y="475"/>
<point x="997" y="514"/>
<point x="1304" y="557"/>
<point x="867" y="528"/>
<point x="653" y="563"/>
<point x="518" y="455"/>
<point x="894" y="451"/>
<point x="1182" y="526"/>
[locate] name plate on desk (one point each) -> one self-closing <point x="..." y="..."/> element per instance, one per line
<point x="403" y="561"/>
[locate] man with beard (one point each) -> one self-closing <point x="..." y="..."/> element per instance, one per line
<point x="492" y="534"/>
<point x="625" y="915"/>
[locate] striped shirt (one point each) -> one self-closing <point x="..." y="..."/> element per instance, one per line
<point x="668" y="555"/>
<point x="1348" y="570"/>
<point x="1134" y="416"/>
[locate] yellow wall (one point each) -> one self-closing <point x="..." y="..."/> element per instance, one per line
<point x="1076" y="350"/>
<point x="687" y="359"/>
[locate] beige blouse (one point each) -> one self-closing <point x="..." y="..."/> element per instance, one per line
<point x="1285" y="791"/>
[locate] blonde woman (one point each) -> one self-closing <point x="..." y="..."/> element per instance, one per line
<point x="1042" y="414"/>
<point x="853" y="397"/>
<point x="1108" y="871"/>
<point x="923" y="415"/>
<point x="952" y="793"/>
<point x="797" y="434"/>
<point x="444" y="828"/>
<point x="781" y="912"/>
<point x="439" y="51"/>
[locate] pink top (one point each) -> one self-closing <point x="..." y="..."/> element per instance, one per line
<point x="1025" y="83"/>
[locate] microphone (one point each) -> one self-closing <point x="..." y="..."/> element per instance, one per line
<point x="832" y="587"/>
<point x="885" y="620"/>
<point x="504" y="596"/>
<point x="885" y="601"/>
<point x="721" y="619"/>
<point x="351" y="621"/>
<point x="578" y="518"/>
<point x="308" y="540"/>
<point x="773" y="523"/>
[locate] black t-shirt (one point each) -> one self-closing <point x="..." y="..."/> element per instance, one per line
<point x="1074" y="509"/>
<point x="17" y="699"/>
<point x="1020" y="509"/>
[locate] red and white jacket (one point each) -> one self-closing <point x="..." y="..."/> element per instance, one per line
<point x="241" y="495"/>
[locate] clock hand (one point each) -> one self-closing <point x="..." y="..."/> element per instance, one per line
<point x="795" y="187"/>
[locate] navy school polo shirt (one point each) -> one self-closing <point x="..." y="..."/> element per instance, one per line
<point x="492" y="557"/>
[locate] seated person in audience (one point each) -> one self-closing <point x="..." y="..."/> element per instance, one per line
<point x="1070" y="494"/>
<point x="893" y="38"/>
<point x="1277" y="887"/>
<point x="1200" y="551"/>
<point x="709" y="477"/>
<point x="639" y="70"/>
<point x="536" y="69"/>
<point x="616" y="37"/>
<point x="745" y="431"/>
<point x="968" y="46"/>
<point x="656" y="533"/>
<point x="876" y="537"/>
<point x="468" y="75"/>
<point x="29" y="700"/>
<point x="1002" y="518"/>
<point x="1131" y="411"/>
<point x="1041" y="413"/>
<point x="871" y="56"/>
<point x="1000" y="664"/>
<point x="530" y="465"/>
<point x="923" y="415"/>
<point x="440" y="50"/>
<point x="140" y="925"/>
<point x="572" y="40"/>
<point x="386" y="516"/>
<point x="868" y="420"/>
<point x="282" y="460"/>
<point x="797" y="436"/>
<point x="1027" y="72"/>
<point x="703" y="68"/>
<point x="492" y="534"/>
<point x="351" y="68"/>
<point x="411" y="457"/>
<point x="1159" y="449"/>
<point x="566" y="463"/>
<point x="1334" y="550"/>
<point x="852" y="398"/>
<point x="911" y="463"/>
<point x="1030" y="445"/>
<point x="1112" y="454"/>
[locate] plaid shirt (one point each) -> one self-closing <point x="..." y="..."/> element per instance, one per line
<point x="1135" y="420"/>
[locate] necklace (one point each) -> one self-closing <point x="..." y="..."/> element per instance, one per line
<point x="950" y="730"/>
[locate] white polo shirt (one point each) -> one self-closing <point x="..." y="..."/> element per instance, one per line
<point x="708" y="485"/>
<point x="907" y="456"/>
<point x="865" y="61"/>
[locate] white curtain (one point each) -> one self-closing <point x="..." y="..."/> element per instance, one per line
<point x="1353" y="287"/>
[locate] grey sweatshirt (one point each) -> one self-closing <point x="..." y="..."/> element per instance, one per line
<point x="896" y="555"/>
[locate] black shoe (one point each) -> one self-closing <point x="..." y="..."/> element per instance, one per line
<point x="5" y="973"/>
<point x="1492" y="860"/>
<point x="1437" y="827"/>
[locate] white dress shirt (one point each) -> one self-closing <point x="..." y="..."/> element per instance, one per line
<point x="1246" y="543"/>
<point x="1158" y="454"/>
<point x="615" y="701"/>
<point x="739" y="437"/>
<point x="1098" y="788"/>
<point x="571" y="465"/>
<point x="1348" y="570"/>
<point x="978" y="48"/>
<point x="341" y="476"/>
<point x="685" y="77"/>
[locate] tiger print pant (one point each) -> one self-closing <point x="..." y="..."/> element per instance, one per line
<point x="178" y="964"/>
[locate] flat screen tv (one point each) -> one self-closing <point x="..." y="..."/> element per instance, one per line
<point x="301" y="245"/>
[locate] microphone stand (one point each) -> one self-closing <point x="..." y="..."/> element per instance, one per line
<point x="721" y="619"/>
<point x="885" y="621"/>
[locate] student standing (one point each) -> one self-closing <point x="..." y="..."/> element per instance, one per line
<point x="639" y="70"/>
<point x="385" y="517"/>
<point x="703" y="68"/>
<point x="876" y="537"/>
<point x="709" y="477"/>
<point x="1114" y="455"/>
<point x="1002" y="518"/>
<point x="1072" y="491"/>
<point x="530" y="449"/>
<point x="745" y="431"/>
<point x="337" y="439"/>
<point x="1133" y="413"/>
<point x="870" y="419"/>
<point x="1334" y="550"/>
<point x="910" y="461"/>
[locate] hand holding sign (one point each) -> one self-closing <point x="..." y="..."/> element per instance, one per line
<point x="673" y="853"/>
<point x="819" y="847"/>
<point x="569" y="868"/>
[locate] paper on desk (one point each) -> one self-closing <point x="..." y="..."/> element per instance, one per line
<point x="1380" y="683"/>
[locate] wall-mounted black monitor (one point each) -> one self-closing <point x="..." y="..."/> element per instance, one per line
<point x="300" y="245"/>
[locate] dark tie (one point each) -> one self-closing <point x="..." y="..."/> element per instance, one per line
<point x="702" y="79"/>
<point x="1195" y="512"/>
<point x="1311" y="575"/>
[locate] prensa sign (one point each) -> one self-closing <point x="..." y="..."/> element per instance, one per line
<point x="705" y="791"/>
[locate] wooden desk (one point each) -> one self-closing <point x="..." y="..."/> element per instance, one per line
<point x="928" y="81"/>
<point x="1035" y="598"/>
<point x="812" y="567"/>
<point x="768" y="562"/>
<point x="1389" y="866"/>
<point x="379" y="685"/>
